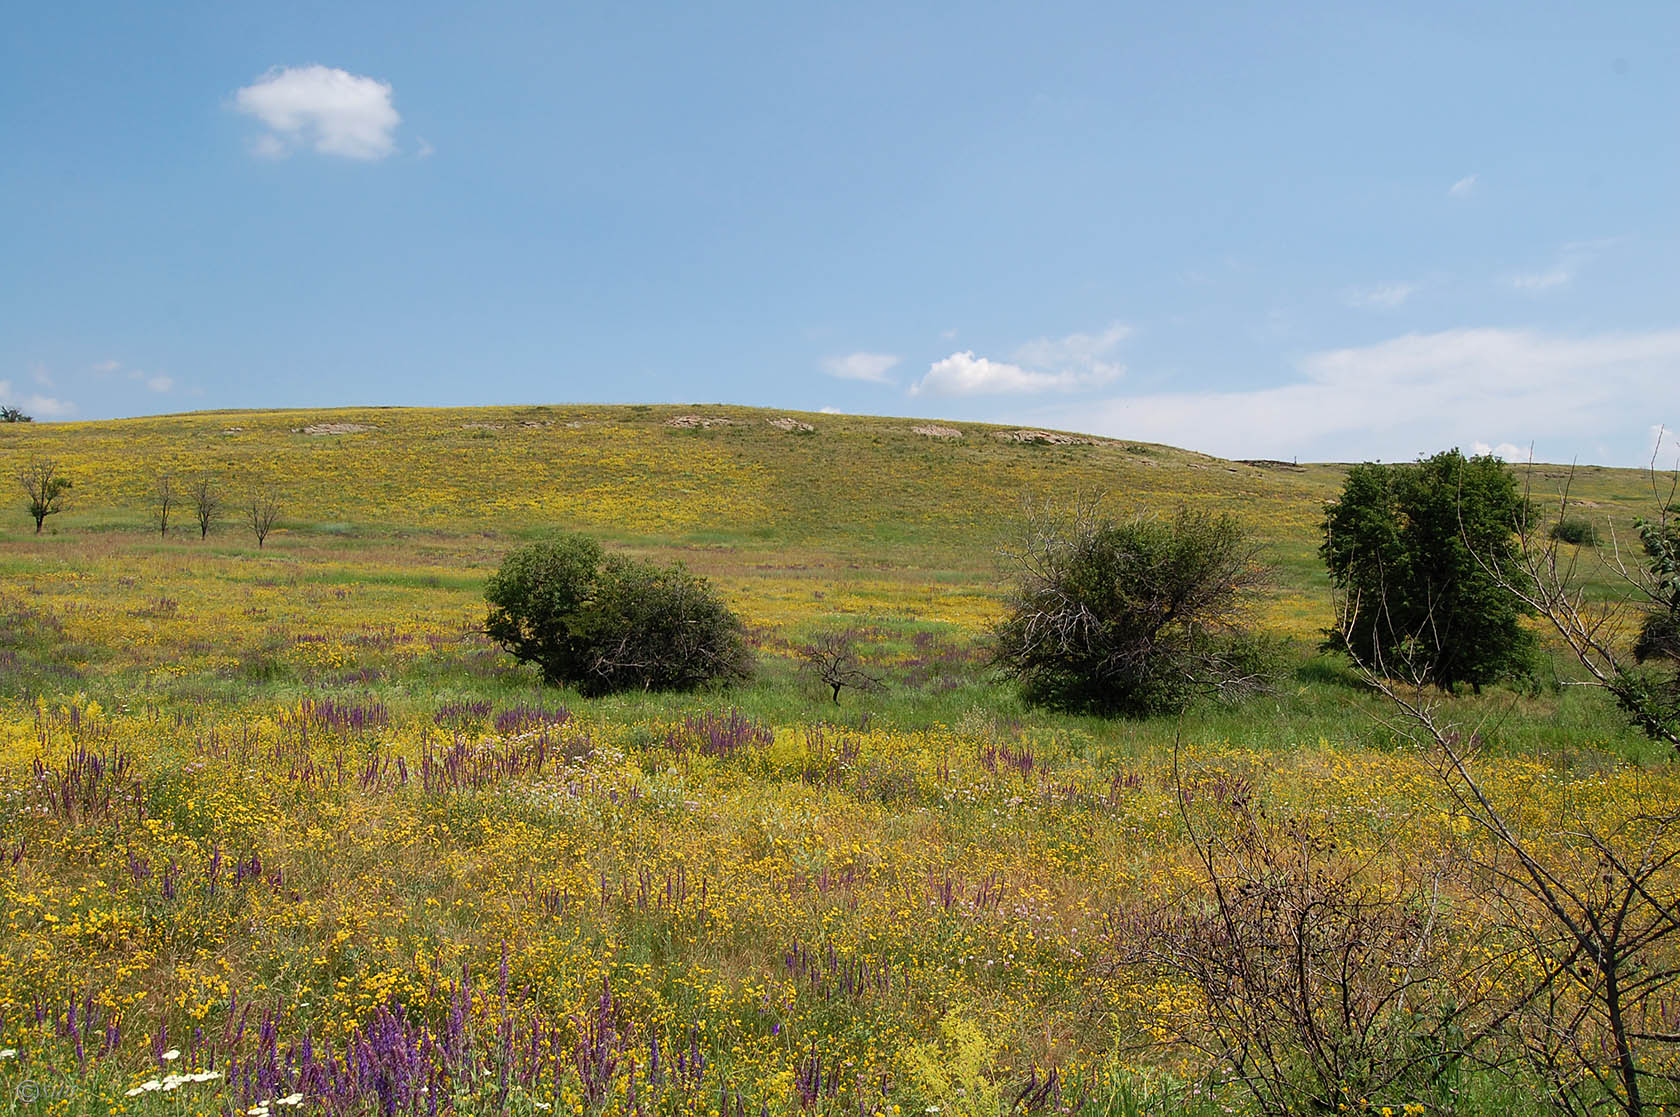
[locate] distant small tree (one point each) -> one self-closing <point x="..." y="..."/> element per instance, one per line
<point x="14" y="415"/>
<point x="164" y="497"/>
<point x="45" y="487"/>
<point x="1136" y="616"/>
<point x="206" y="501"/>
<point x="264" y="510"/>
<point x="1411" y="549"/>
<point x="833" y="660"/>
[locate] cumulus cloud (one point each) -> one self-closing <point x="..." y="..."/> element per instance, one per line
<point x="1418" y="393"/>
<point x="1064" y="364"/>
<point x="331" y="111"/>
<point x="1383" y="296"/>
<point x="1464" y="187"/>
<point x="872" y="367"/>
<point x="35" y="404"/>
<point x="1505" y="451"/>
<point x="160" y="383"/>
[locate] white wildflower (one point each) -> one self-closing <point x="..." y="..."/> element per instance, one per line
<point x="172" y="1054"/>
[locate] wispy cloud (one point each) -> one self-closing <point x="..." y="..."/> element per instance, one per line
<point x="332" y="111"/>
<point x="160" y="384"/>
<point x="1419" y="392"/>
<point x="1088" y="353"/>
<point x="1045" y="364"/>
<point x="1382" y="296"/>
<point x="1571" y="258"/>
<point x="871" y="367"/>
<point x="1464" y="187"/>
<point x="1557" y="276"/>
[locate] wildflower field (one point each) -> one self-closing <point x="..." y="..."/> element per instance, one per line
<point x="281" y="831"/>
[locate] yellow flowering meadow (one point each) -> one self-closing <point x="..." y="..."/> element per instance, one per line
<point x="281" y="830"/>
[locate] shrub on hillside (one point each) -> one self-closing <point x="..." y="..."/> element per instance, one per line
<point x="1413" y="551"/>
<point x="606" y="623"/>
<point x="1578" y="531"/>
<point x="1138" y="616"/>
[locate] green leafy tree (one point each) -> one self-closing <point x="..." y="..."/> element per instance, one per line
<point x="606" y="623"/>
<point x="1137" y="616"/>
<point x="46" y="488"/>
<point x="1413" y="550"/>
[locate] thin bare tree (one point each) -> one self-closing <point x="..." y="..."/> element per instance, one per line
<point x="206" y="500"/>
<point x="264" y="511"/>
<point x="164" y="497"/>
<point x="832" y="659"/>
<point x="46" y="488"/>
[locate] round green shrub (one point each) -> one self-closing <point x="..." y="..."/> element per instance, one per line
<point x="605" y="623"/>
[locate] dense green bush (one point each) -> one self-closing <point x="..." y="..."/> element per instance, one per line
<point x="1413" y="550"/>
<point x="1139" y="616"/>
<point x="605" y="622"/>
<point x="1575" y="530"/>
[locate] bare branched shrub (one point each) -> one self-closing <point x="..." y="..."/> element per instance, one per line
<point x="164" y="498"/>
<point x="1319" y="978"/>
<point x="1545" y="572"/>
<point x="264" y="511"/>
<point x="1586" y="893"/>
<point x="206" y="500"/>
<point x="834" y="660"/>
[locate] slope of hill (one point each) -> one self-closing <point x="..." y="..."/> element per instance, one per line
<point x="296" y="787"/>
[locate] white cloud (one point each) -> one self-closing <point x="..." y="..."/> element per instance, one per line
<point x="1505" y="450"/>
<point x="1464" y="187"/>
<point x="964" y="374"/>
<point x="1061" y="364"/>
<point x="832" y="411"/>
<point x="36" y="405"/>
<point x="332" y="111"/>
<point x="107" y="366"/>
<point x="1421" y="392"/>
<point x="1383" y="296"/>
<point x="872" y="367"/>
<point x="160" y="383"/>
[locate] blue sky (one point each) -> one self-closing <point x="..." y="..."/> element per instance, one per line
<point x="1326" y="231"/>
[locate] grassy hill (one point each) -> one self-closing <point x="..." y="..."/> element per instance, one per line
<point x="297" y="782"/>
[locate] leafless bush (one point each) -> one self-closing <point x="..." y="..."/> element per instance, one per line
<point x="1319" y="978"/>
<point x="834" y="660"/>
<point x="206" y="500"/>
<point x="264" y="511"/>
<point x="1590" y="900"/>
<point x="1546" y="573"/>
